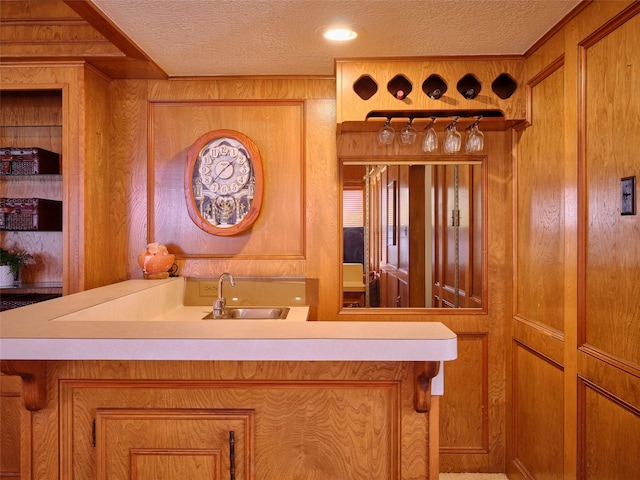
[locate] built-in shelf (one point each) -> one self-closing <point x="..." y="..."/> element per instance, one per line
<point x="469" y="86"/>
<point x="31" y="188"/>
<point x="434" y="87"/>
<point x="400" y="87"/>
<point x="504" y="86"/>
<point x="365" y="87"/>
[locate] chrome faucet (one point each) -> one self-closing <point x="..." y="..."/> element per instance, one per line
<point x="220" y="304"/>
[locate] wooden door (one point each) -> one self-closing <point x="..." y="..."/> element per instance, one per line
<point x="457" y="237"/>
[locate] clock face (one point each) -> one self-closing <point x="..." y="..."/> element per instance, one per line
<point x="223" y="175"/>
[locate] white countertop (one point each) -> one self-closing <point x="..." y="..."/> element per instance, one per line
<point x="145" y="320"/>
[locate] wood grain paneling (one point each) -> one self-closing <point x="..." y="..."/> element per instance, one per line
<point x="10" y="412"/>
<point x="538" y="427"/>
<point x="464" y="425"/>
<point x="190" y="443"/>
<point x="596" y="259"/>
<point x="471" y="451"/>
<point x="609" y="311"/>
<point x="608" y="433"/>
<point x="96" y="192"/>
<point x="539" y="209"/>
<point x="152" y="464"/>
<point x="278" y="233"/>
<point x="299" y="209"/>
<point x="323" y="420"/>
<point x="15" y="430"/>
<point x="129" y="178"/>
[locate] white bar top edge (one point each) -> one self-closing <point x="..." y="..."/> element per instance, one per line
<point x="36" y="332"/>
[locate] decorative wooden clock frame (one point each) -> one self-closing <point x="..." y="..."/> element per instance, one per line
<point x="223" y="182"/>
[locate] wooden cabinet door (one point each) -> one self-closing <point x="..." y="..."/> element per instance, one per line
<point x="162" y="444"/>
<point x="11" y="425"/>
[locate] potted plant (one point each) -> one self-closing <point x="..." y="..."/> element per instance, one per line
<point x="11" y="261"/>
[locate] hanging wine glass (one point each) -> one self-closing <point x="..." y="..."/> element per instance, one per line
<point x="475" y="138"/>
<point x="408" y="134"/>
<point x="452" y="138"/>
<point x="430" y="140"/>
<point x="386" y="134"/>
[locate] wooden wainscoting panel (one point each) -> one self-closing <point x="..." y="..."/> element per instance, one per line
<point x="538" y="429"/>
<point x="464" y="424"/>
<point x="608" y="438"/>
<point x="608" y="313"/>
<point x="539" y="205"/>
<point x="277" y="129"/>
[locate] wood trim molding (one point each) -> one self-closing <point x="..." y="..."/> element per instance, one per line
<point x="582" y="385"/>
<point x="34" y="381"/>
<point x="605" y="357"/>
<point x="95" y="18"/>
<point x="536" y="80"/>
<point x="556" y="28"/>
<point x="540" y="327"/>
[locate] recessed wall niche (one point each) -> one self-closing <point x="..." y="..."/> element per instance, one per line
<point x="434" y="87"/>
<point x="400" y="87"/>
<point x="365" y="87"/>
<point x="504" y="86"/>
<point x="469" y="86"/>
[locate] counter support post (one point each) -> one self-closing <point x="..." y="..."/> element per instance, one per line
<point x="34" y="381"/>
<point x="424" y="373"/>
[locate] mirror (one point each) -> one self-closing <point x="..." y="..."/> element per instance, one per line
<point x="413" y="232"/>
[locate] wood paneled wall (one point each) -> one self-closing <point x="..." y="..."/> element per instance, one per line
<point x="293" y="124"/>
<point x="277" y="129"/>
<point x="570" y="358"/>
<point x="574" y="330"/>
<point x="473" y="408"/>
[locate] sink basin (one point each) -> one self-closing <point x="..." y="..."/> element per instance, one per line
<point x="252" y="313"/>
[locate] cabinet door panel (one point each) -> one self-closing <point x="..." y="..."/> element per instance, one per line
<point x="142" y="444"/>
<point x="151" y="464"/>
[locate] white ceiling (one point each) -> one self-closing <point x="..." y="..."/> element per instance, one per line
<point x="283" y="37"/>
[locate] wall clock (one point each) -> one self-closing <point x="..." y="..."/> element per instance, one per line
<point x="223" y="182"/>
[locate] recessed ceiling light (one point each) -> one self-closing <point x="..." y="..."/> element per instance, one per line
<point x="340" y="34"/>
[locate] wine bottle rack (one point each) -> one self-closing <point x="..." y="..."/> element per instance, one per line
<point x="433" y="84"/>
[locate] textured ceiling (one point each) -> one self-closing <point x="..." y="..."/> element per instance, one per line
<point x="283" y="37"/>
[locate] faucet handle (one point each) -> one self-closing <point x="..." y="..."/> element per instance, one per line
<point x="219" y="306"/>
